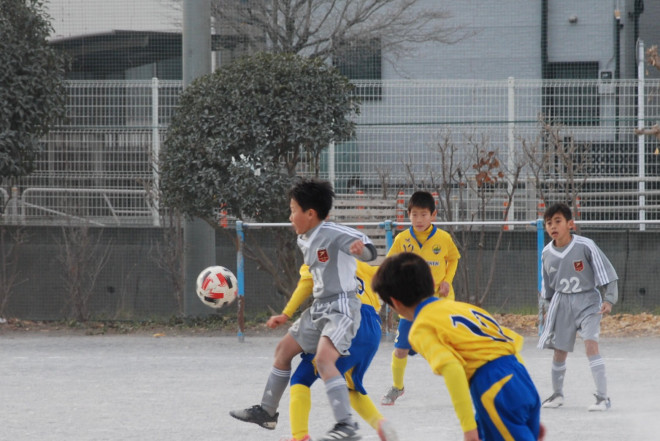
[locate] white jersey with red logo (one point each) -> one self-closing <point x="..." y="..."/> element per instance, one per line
<point x="326" y="250"/>
<point x="579" y="267"/>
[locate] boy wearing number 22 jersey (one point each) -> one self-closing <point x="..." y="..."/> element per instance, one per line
<point x="579" y="285"/>
<point x="478" y="358"/>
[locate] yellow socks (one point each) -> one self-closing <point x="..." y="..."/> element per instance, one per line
<point x="300" y="404"/>
<point x="398" y="370"/>
<point x="365" y="407"/>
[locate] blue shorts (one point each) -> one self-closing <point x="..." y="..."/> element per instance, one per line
<point x="506" y="401"/>
<point x="362" y="351"/>
<point x="402" y="332"/>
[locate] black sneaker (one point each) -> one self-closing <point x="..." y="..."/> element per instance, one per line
<point x="601" y="404"/>
<point x="554" y="401"/>
<point x="342" y="432"/>
<point x="257" y="415"/>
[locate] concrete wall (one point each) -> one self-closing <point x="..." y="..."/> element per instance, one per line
<point x="132" y="286"/>
<point x="505" y="39"/>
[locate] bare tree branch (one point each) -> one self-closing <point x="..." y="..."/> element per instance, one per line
<point x="318" y="28"/>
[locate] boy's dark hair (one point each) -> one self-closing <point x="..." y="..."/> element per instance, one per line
<point x="560" y="208"/>
<point x="405" y="277"/>
<point x="421" y="199"/>
<point x="312" y="193"/>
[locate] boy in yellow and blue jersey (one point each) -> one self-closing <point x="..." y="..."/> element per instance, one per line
<point x="363" y="348"/>
<point x="438" y="249"/>
<point x="478" y="358"/>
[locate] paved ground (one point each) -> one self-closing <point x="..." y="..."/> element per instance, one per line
<point x="138" y="387"/>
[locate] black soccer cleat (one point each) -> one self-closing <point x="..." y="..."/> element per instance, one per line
<point x="257" y="415"/>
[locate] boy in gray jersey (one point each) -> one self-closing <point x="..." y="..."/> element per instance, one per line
<point x="576" y="274"/>
<point x="328" y="326"/>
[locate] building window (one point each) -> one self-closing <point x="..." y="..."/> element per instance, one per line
<point x="361" y="60"/>
<point x="577" y="102"/>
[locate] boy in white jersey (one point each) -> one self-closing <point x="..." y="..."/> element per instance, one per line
<point x="576" y="274"/>
<point x="328" y="326"/>
<point x="363" y="349"/>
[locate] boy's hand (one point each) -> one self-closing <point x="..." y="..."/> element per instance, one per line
<point x="356" y="247"/>
<point x="444" y="289"/>
<point x="606" y="308"/>
<point x="541" y="432"/>
<point x="277" y="320"/>
<point x="472" y="435"/>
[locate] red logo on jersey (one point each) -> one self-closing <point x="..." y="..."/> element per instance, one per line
<point x="322" y="254"/>
<point x="579" y="265"/>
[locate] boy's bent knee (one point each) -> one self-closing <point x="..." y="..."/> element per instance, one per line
<point x="285" y="350"/>
<point x="591" y="347"/>
<point x="401" y="353"/>
<point x="559" y="355"/>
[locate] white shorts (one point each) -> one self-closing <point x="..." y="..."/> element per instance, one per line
<point x="573" y="313"/>
<point x="337" y="318"/>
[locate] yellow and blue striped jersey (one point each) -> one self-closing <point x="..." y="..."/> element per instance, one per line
<point x="436" y="247"/>
<point x="447" y="331"/>
<point x="364" y="273"/>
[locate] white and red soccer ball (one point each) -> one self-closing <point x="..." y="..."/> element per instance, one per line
<point x="217" y="286"/>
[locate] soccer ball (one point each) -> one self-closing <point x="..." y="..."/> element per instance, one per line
<point x="216" y="286"/>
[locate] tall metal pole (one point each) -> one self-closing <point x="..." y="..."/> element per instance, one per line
<point x="641" y="139"/>
<point x="198" y="236"/>
<point x="155" y="151"/>
<point x="511" y="162"/>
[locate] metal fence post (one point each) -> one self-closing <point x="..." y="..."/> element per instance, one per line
<point x="240" y="276"/>
<point x="155" y="151"/>
<point x="12" y="207"/>
<point x="540" y="244"/>
<point x="511" y="107"/>
<point x="641" y="139"/>
<point x="389" y="240"/>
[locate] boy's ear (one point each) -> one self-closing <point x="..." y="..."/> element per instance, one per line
<point x="311" y="213"/>
<point x="396" y="304"/>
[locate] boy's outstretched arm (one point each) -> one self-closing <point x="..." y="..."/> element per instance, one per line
<point x="303" y="291"/>
<point x="459" y="391"/>
<point x="363" y="251"/>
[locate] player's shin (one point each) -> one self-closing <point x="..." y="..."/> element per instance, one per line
<point x="300" y="405"/>
<point x="365" y="407"/>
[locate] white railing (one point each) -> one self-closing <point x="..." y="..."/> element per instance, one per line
<point x="98" y="206"/>
<point x="111" y="143"/>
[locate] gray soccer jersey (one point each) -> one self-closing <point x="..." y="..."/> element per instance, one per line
<point x="580" y="267"/>
<point x="571" y="278"/>
<point x="326" y="250"/>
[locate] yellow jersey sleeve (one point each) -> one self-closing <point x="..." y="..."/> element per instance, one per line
<point x="364" y="274"/>
<point x="301" y="293"/>
<point x="459" y="391"/>
<point x="452" y="257"/>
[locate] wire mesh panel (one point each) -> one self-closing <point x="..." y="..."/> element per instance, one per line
<point x="420" y="134"/>
<point x="99" y="164"/>
<point x="433" y="134"/>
